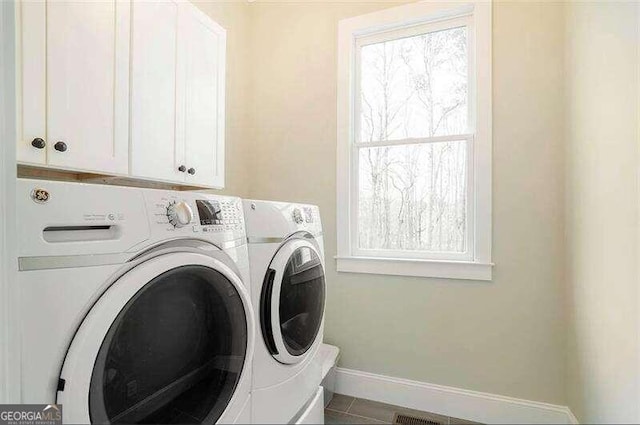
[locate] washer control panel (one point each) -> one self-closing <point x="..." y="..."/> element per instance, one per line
<point x="220" y="214"/>
<point x="195" y="213"/>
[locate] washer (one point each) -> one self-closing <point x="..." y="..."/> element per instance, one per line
<point x="286" y="253"/>
<point x="134" y="304"/>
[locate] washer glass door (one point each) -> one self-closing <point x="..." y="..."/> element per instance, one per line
<point x="174" y="353"/>
<point x="293" y="301"/>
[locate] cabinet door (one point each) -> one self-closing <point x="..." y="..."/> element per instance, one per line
<point x="31" y="82"/>
<point x="202" y="49"/>
<point x="155" y="151"/>
<point x="87" y="69"/>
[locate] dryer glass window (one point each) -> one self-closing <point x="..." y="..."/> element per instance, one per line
<point x="175" y="352"/>
<point x="301" y="300"/>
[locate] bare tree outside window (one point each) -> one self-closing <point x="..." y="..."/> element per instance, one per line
<point x="413" y="193"/>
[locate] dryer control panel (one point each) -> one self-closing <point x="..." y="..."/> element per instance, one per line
<point x="268" y="219"/>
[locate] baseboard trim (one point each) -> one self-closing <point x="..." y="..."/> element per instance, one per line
<point x="455" y="402"/>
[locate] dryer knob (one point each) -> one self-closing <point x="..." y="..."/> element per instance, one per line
<point x="179" y="213"/>
<point x="297" y="216"/>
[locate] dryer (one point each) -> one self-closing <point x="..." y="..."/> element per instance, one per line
<point x="286" y="254"/>
<point x="135" y="304"/>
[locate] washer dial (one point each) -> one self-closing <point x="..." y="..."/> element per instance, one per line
<point x="179" y="213"/>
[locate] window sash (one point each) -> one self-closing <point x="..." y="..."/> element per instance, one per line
<point x="470" y="224"/>
<point x="406" y="32"/>
<point x="468" y="138"/>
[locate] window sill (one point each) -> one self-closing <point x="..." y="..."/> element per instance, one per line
<point x="470" y="270"/>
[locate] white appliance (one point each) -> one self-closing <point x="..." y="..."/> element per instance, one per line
<point x="313" y="412"/>
<point x="286" y="255"/>
<point x="134" y="304"/>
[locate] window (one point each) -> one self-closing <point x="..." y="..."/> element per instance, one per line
<point x="414" y="143"/>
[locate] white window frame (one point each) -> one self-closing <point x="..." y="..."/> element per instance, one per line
<point x="393" y="23"/>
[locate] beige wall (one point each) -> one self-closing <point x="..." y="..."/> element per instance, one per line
<point x="602" y="215"/>
<point x="504" y="337"/>
<point x="559" y="322"/>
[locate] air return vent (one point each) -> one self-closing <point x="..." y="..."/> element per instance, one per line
<point x="402" y="419"/>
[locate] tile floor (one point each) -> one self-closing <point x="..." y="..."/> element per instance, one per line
<point x="350" y="410"/>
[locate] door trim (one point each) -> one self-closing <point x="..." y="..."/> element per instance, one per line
<point x="79" y="361"/>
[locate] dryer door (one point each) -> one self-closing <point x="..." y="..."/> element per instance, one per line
<point x="168" y="342"/>
<point x="292" y="301"/>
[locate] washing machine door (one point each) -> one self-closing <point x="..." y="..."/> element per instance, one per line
<point x="168" y="342"/>
<point x="292" y="301"/>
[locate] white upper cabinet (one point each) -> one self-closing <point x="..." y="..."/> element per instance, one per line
<point x="74" y="85"/>
<point x="31" y="85"/>
<point x="154" y="151"/>
<point x="177" y="83"/>
<point x="201" y="56"/>
<point x="122" y="87"/>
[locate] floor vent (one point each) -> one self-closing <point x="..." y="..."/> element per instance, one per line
<point x="401" y="419"/>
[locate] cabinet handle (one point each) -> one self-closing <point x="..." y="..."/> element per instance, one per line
<point x="38" y="143"/>
<point x="191" y="171"/>
<point x="182" y="168"/>
<point x="60" y="146"/>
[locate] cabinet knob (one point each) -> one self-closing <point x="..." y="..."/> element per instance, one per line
<point x="182" y="168"/>
<point x="60" y="146"/>
<point x="191" y="171"/>
<point x="38" y="143"/>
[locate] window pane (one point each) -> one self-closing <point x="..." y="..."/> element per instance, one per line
<point x="413" y="197"/>
<point x="414" y="87"/>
